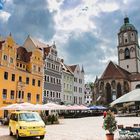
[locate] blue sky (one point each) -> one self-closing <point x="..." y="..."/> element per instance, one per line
<point x="85" y="31"/>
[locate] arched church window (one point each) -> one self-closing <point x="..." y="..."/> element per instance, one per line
<point x="113" y="83"/>
<point x="126" y="87"/>
<point x="132" y="37"/>
<point x="102" y="86"/>
<point x="127" y="53"/>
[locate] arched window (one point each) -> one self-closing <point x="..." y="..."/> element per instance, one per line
<point x="127" y="53"/>
<point x="102" y="86"/>
<point x="119" y="90"/>
<point x="108" y="93"/>
<point x="113" y="83"/>
<point x="126" y="87"/>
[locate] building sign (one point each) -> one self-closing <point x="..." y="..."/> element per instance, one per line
<point x="4" y="102"/>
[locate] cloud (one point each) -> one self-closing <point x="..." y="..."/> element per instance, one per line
<point x="4" y="16"/>
<point x="30" y="17"/>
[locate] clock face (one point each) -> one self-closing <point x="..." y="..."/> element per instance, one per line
<point x="125" y="34"/>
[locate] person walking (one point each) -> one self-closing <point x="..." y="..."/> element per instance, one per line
<point x="104" y="114"/>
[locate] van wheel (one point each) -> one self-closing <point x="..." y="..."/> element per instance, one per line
<point x="10" y="132"/>
<point x="17" y="136"/>
<point x="42" y="137"/>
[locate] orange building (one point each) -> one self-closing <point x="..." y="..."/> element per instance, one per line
<point x="21" y="74"/>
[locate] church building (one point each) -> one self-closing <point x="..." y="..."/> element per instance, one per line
<point x="118" y="80"/>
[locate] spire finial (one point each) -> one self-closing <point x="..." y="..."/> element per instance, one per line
<point x="126" y="20"/>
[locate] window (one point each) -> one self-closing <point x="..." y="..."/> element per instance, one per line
<point x="39" y="70"/>
<point x="125" y="40"/>
<point x="51" y="94"/>
<point x="29" y="96"/>
<point x="4" y="94"/>
<point x="19" y="94"/>
<point x="45" y="78"/>
<point x="34" y="68"/>
<point x="20" y="79"/>
<point x="12" y="94"/>
<point x="44" y="92"/>
<point x="47" y="93"/>
<point x="5" y="57"/>
<point x="39" y="83"/>
<point x="33" y="82"/>
<point x="20" y="65"/>
<point x="127" y="53"/>
<point x="5" y="75"/>
<point x="17" y="64"/>
<point x="22" y="95"/>
<point x="11" y="60"/>
<point x="48" y="79"/>
<point x="37" y="97"/>
<point x="13" y="77"/>
<point x="27" y="80"/>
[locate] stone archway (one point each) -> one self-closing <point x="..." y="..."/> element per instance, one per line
<point x="108" y="93"/>
<point x="119" y="90"/>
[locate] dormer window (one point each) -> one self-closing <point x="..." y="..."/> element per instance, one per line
<point x="5" y="57"/>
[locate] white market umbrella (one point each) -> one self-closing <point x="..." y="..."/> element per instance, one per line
<point x="12" y="107"/>
<point x="133" y="96"/>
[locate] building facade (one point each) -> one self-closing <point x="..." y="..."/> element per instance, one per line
<point x="67" y="84"/>
<point x="20" y="80"/>
<point x="88" y="95"/>
<point x="78" y="93"/>
<point x="118" y="80"/>
<point x="52" y="75"/>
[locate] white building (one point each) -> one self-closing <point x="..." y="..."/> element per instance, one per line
<point x="78" y="93"/>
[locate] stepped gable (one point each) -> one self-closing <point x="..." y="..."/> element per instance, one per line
<point x="113" y="71"/>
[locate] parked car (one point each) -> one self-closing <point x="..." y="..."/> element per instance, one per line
<point x="26" y="124"/>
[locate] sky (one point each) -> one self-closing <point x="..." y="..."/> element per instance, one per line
<point x="84" y="31"/>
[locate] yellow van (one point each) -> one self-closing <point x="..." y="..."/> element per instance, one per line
<point x="26" y="124"/>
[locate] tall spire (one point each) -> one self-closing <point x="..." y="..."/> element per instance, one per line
<point x="82" y="69"/>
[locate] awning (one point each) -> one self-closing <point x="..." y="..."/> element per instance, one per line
<point x="133" y="96"/>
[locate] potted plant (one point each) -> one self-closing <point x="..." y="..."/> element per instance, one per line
<point x="110" y="125"/>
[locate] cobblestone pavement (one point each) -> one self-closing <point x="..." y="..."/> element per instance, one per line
<point x="89" y="128"/>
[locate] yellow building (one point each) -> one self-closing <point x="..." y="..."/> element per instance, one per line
<point x="21" y="74"/>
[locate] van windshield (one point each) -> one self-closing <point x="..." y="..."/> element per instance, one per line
<point x="29" y="117"/>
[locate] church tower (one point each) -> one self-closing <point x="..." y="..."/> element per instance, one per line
<point x="128" y="47"/>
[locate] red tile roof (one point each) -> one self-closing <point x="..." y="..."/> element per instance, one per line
<point x="23" y="55"/>
<point x="116" y="72"/>
<point x="72" y="67"/>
